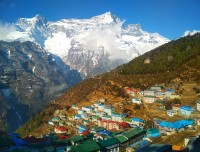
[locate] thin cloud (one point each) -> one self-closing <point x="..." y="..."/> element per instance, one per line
<point x="8" y="32"/>
<point x="106" y="38"/>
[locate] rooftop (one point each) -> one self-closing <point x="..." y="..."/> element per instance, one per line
<point x="127" y="119"/>
<point x="108" y="142"/>
<point x="88" y="146"/>
<point x="152" y="130"/>
<point x="138" y="120"/>
<point x="76" y="138"/>
<point x="188" y="108"/>
<point x="177" y="124"/>
<point x="132" y="132"/>
<point x="115" y="114"/>
<point x="121" y="138"/>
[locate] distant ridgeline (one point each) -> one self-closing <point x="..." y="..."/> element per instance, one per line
<point x="168" y="57"/>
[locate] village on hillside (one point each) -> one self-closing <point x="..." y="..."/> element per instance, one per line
<point x="110" y="127"/>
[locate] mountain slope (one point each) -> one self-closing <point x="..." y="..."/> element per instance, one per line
<point x="29" y="78"/>
<point x="100" y="43"/>
<point x="186" y="53"/>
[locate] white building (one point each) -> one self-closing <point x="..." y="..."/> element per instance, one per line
<point x="88" y="109"/>
<point x="171" y="113"/>
<point x="108" y="110"/>
<point x="136" y="100"/>
<point x="149" y="99"/>
<point x="149" y="92"/>
<point x="198" y="105"/>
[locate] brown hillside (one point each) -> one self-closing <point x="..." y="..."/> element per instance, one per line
<point x="183" y="77"/>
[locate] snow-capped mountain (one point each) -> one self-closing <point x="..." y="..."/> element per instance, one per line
<point x="91" y="46"/>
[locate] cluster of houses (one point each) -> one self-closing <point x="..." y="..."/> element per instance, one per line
<point x="158" y="93"/>
<point x="112" y="131"/>
<point x="185" y="110"/>
<point x="99" y="127"/>
<point x="180" y="109"/>
<point x="172" y="127"/>
<point x="100" y="139"/>
<point x="98" y="114"/>
<point x="151" y="95"/>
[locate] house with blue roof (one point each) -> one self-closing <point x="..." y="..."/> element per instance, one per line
<point x="152" y="134"/>
<point x="175" y="126"/>
<point x="76" y="117"/>
<point x="81" y="128"/>
<point x="168" y="93"/>
<point x="103" y="132"/>
<point x="186" y="110"/>
<point x="137" y="122"/>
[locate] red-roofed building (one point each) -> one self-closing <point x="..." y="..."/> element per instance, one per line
<point x="60" y="129"/>
<point x="132" y="90"/>
<point x="85" y="132"/>
<point x="60" y="136"/>
<point x="123" y="125"/>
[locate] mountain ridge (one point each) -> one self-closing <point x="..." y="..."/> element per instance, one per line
<point x="120" y="41"/>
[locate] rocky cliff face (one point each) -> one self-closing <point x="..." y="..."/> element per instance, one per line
<point x="30" y="77"/>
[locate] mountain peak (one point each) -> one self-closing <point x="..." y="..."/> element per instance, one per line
<point x="107" y="17"/>
<point x="39" y="17"/>
<point x="33" y="20"/>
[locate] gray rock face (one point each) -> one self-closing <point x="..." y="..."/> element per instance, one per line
<point x="29" y="78"/>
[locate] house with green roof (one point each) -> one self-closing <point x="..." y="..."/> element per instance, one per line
<point x="75" y="140"/>
<point x="111" y="144"/>
<point x="127" y="120"/>
<point x="96" y="129"/>
<point x="127" y="138"/>
<point x="88" y="146"/>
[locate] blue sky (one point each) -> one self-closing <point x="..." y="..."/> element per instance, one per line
<point x="170" y="18"/>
